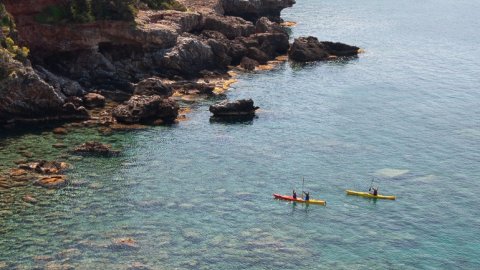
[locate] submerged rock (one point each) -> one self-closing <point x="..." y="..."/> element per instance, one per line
<point x="124" y="243"/>
<point x="95" y="148"/>
<point x="45" y="167"/>
<point x="305" y="49"/>
<point x="243" y="107"/>
<point x="29" y="199"/>
<point x="54" y="181"/>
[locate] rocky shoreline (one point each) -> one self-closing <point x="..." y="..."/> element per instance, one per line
<point x="146" y="65"/>
<point x="118" y="75"/>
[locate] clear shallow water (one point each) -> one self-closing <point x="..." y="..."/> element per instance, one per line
<point x="198" y="195"/>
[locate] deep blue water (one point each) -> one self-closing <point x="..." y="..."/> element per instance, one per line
<point x="198" y="195"/>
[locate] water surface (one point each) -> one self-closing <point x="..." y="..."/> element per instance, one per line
<point x="198" y="195"/>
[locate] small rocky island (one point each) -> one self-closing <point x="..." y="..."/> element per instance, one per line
<point x="59" y="63"/>
<point x="242" y="108"/>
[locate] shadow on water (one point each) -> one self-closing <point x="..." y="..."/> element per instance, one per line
<point x="34" y="129"/>
<point x="337" y="62"/>
<point x="243" y="119"/>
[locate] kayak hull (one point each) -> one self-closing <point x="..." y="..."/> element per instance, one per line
<point x="369" y="195"/>
<point x="290" y="198"/>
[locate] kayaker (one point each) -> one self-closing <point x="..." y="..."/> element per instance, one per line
<point x="307" y="195"/>
<point x="374" y="191"/>
<point x="294" y="194"/>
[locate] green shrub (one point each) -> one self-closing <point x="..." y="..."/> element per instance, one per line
<point x="53" y="15"/>
<point x="165" y="4"/>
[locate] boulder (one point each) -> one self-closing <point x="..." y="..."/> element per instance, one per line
<point x="152" y="86"/>
<point x="95" y="148"/>
<point x="306" y="49"/>
<point x="54" y="181"/>
<point x="248" y="63"/>
<point x="94" y="100"/>
<point x="146" y="108"/>
<point x="243" y="107"/>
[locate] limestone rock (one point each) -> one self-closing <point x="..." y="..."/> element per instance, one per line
<point x="146" y="108"/>
<point x="152" y="86"/>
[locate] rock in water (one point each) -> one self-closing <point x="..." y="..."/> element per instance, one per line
<point x="243" y="107"/>
<point x="45" y="167"/>
<point x="306" y="49"/>
<point x="95" y="148"/>
<point x="146" y="108"/>
<point x="54" y="181"/>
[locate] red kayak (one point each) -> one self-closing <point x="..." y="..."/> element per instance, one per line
<point x="299" y="200"/>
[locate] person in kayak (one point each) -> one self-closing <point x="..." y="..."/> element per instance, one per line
<point x="374" y="191"/>
<point x="294" y="195"/>
<point x="307" y="196"/>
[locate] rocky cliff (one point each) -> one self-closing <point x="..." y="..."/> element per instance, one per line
<point x="69" y="58"/>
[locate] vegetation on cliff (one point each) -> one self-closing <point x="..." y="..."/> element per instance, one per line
<point x="84" y="11"/>
<point x="8" y="49"/>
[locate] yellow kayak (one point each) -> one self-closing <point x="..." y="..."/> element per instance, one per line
<point x="369" y="195"/>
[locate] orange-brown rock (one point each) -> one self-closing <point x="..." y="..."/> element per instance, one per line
<point x="124" y="243"/>
<point x="54" y="181"/>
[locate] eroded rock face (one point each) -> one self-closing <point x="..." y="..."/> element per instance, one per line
<point x="305" y="49"/>
<point x="94" y="100"/>
<point x="145" y="109"/>
<point x="254" y="9"/>
<point x="230" y="26"/>
<point x="242" y="107"/>
<point x="25" y="97"/>
<point x="190" y="56"/>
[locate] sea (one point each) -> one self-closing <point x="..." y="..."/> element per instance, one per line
<point x="403" y="116"/>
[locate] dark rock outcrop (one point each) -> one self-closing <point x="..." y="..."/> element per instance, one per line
<point x="140" y="109"/>
<point x="153" y="86"/>
<point x="27" y="98"/>
<point x="95" y="148"/>
<point x="305" y="49"/>
<point x="243" y="107"/>
<point x="230" y="26"/>
<point x="254" y="9"/>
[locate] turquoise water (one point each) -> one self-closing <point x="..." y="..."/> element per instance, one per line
<point x="198" y="195"/>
